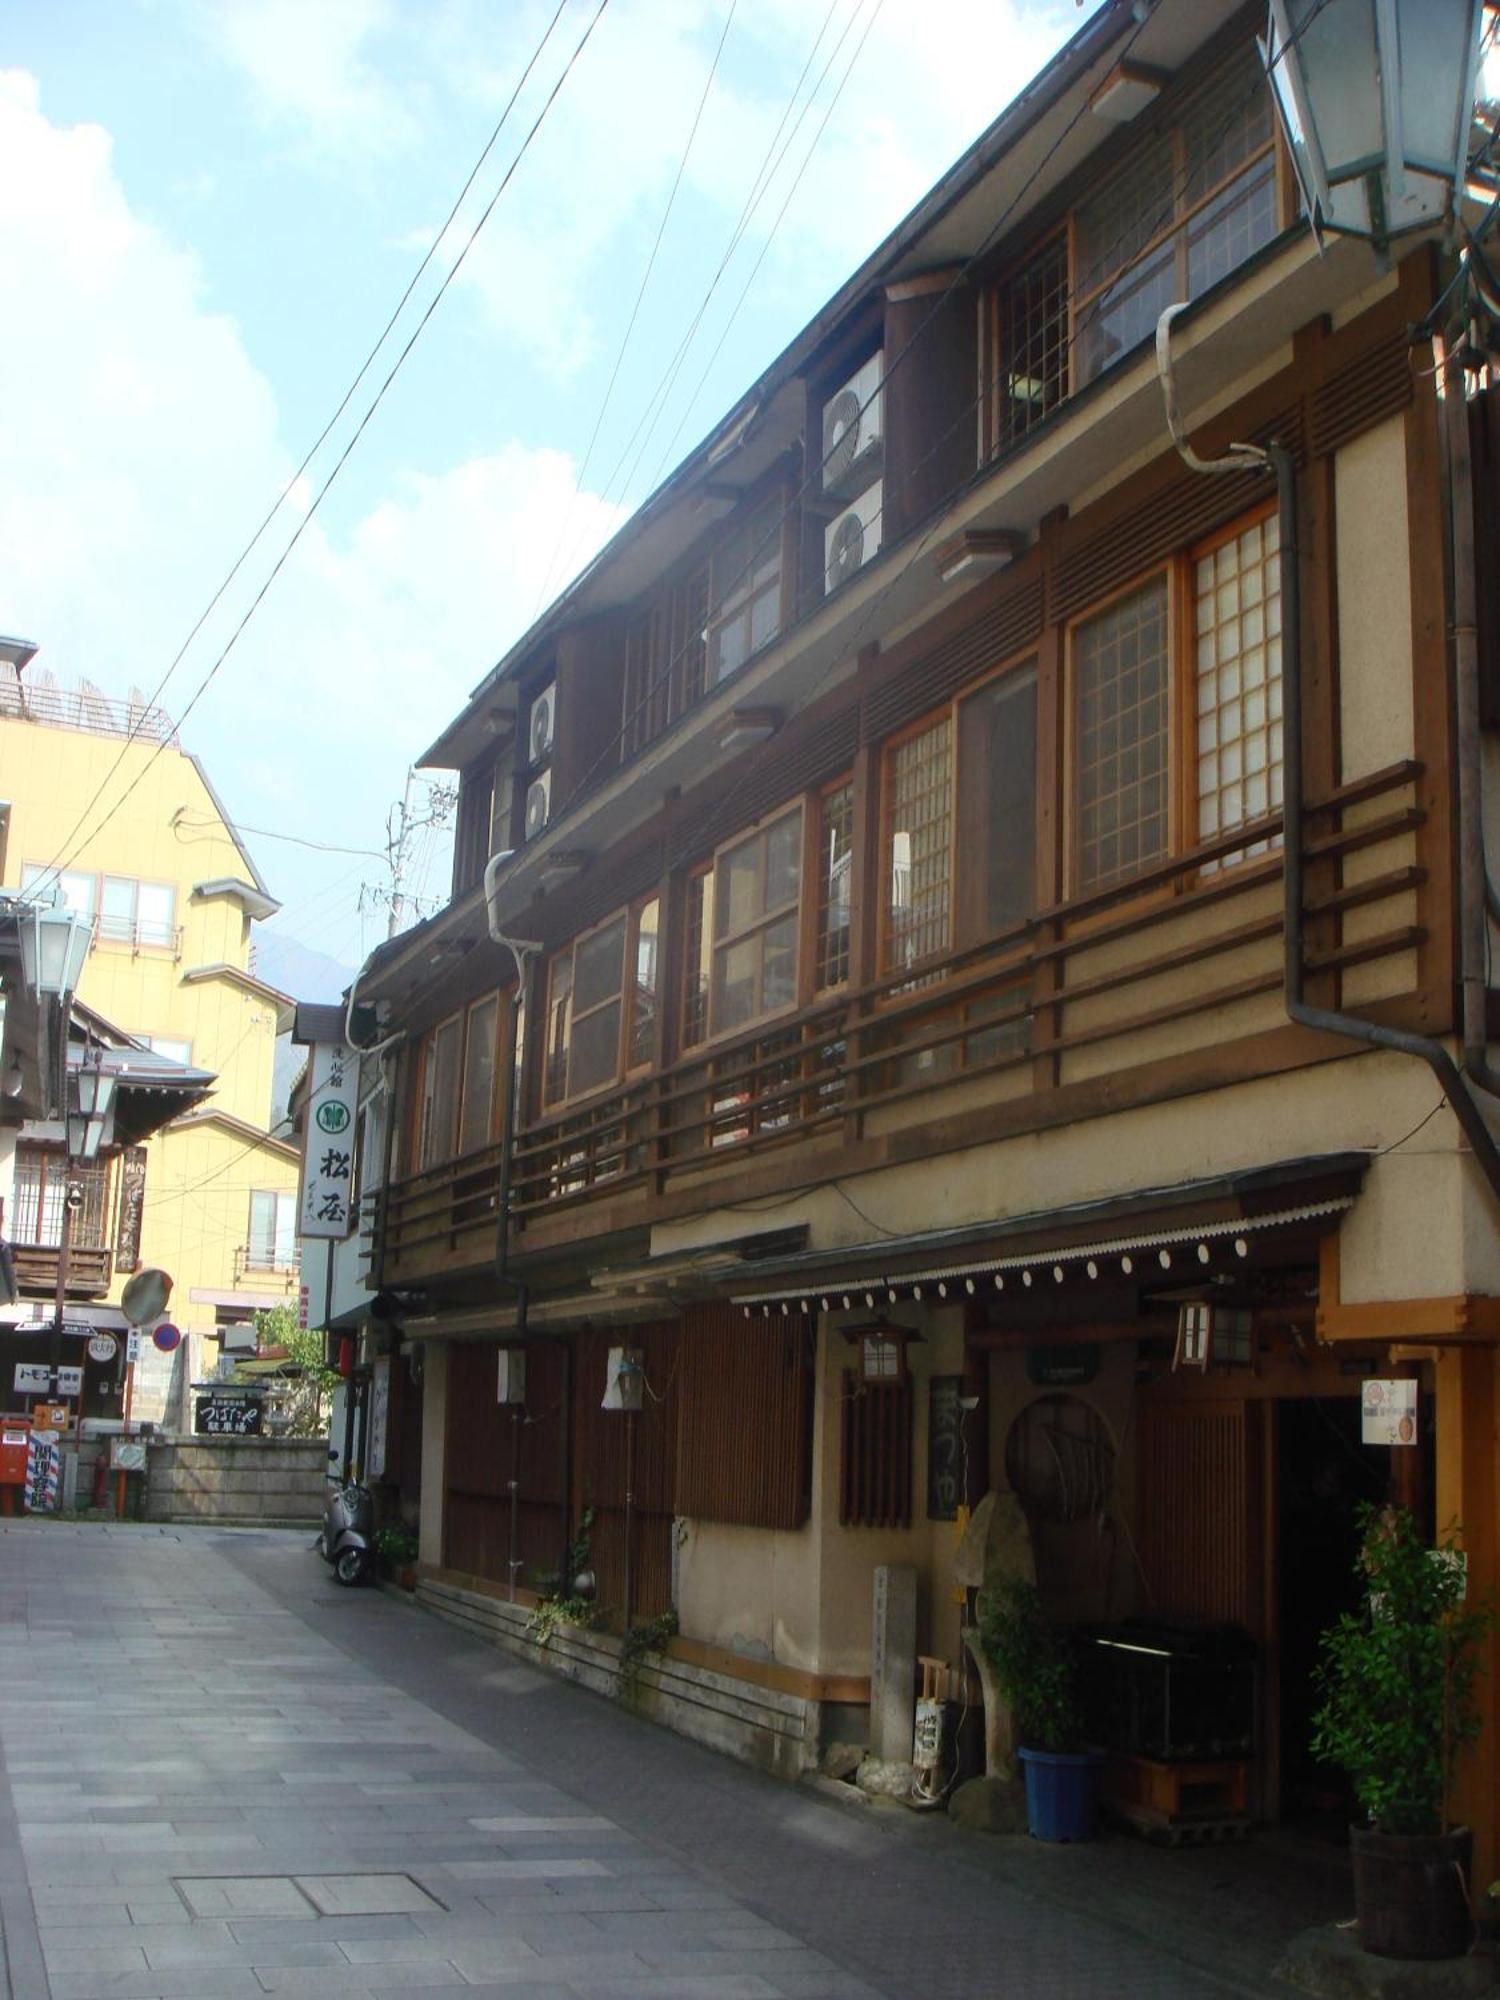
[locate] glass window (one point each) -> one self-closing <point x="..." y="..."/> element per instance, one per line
<point x="1177" y="216"/>
<point x="1237" y="636"/>
<point x="746" y="590"/>
<point x="477" y="1110"/>
<point x="997" y="806"/>
<point x="273" y="1227"/>
<point x="559" y="1022"/>
<point x="1030" y="330"/>
<point x="755" y="927"/>
<point x="136" y="913"/>
<point x="646" y="956"/>
<point x="1120" y="709"/>
<point x="169" y="1045"/>
<point x="78" y="890"/>
<point x="835" y="886"/>
<point x="697" y="958"/>
<point x="440" y="1092"/>
<point x="918" y="845"/>
<point x="586" y="998"/>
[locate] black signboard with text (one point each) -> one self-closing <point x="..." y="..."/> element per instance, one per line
<point x="228" y="1413"/>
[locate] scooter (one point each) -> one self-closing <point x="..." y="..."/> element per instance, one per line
<point x="348" y="1537"/>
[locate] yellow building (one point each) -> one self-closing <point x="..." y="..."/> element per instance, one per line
<point x="172" y="893"/>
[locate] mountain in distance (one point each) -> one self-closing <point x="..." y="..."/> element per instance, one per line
<point x="297" y="969"/>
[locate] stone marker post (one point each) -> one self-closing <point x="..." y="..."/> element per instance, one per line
<point x="893" y="1663"/>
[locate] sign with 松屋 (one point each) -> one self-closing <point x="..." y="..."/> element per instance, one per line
<point x="328" y="1144"/>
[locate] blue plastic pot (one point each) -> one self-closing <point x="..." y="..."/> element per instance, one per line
<point x="1062" y="1793"/>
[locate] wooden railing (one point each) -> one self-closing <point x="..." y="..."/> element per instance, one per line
<point x="89" y="1269"/>
<point x="1199" y="935"/>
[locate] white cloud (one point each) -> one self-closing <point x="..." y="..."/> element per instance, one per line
<point x="314" y="69"/>
<point x="145" y="448"/>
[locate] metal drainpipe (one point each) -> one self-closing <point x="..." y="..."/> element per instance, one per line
<point x="1327" y="1021"/>
<point x="1476" y="895"/>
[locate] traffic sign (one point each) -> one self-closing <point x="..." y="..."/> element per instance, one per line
<point x="165" y="1337"/>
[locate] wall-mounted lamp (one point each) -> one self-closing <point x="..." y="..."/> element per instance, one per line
<point x="977" y="550"/>
<point x="742" y="728"/>
<point x="1126" y="92"/>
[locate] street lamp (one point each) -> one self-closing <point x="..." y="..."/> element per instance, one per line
<point x="1376" y="101"/>
<point x="54" y="944"/>
<point x="94" y="1088"/>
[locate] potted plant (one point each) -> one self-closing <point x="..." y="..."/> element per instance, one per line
<point x="1035" y="1670"/>
<point x="1396" y="1681"/>
<point x="396" y="1546"/>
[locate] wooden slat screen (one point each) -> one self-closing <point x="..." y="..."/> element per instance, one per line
<point x="486" y="1442"/>
<point x="875" y="1461"/>
<point x="997" y="635"/>
<point x="744" y="1445"/>
<point x="1199" y="1476"/>
<point x="1373" y="386"/>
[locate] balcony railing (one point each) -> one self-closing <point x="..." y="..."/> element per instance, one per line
<point x="90" y="1268"/>
<point x="1180" y="958"/>
<point x="85" y="708"/>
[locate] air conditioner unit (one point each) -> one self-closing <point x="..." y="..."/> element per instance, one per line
<point x="851" y="540"/>
<point x="543" y="722"/>
<point x="511" y="1384"/>
<point x="853" y="430"/>
<point x="538" y="804"/>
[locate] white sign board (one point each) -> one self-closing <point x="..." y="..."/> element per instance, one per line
<point x="380" y="1416"/>
<point x="328" y="1143"/>
<point x="132" y="1347"/>
<point x="1388" y="1413"/>
<point x="34" y="1378"/>
<point x="102" y="1347"/>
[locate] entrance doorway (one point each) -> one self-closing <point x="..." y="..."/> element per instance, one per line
<point x="1323" y="1473"/>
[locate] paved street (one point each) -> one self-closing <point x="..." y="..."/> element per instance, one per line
<point x="225" y="1775"/>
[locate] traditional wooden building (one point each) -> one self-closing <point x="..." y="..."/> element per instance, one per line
<point x="929" y="1074"/>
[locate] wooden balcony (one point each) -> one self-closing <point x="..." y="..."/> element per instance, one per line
<point x="1149" y="974"/>
<point x="90" y="1268"/>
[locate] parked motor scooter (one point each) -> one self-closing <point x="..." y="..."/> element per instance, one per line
<point x="348" y="1537"/>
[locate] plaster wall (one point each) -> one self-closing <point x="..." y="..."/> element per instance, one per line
<point x="1376" y="725"/>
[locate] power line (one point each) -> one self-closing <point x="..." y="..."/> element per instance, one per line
<point x="280" y="500"/>
<point x="614" y="375"/>
<point x="764" y="175"/>
<point x="343" y="458"/>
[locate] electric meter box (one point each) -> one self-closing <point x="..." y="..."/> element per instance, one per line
<point x="15" y="1440"/>
<point x="511" y="1385"/>
<point x="624" y="1379"/>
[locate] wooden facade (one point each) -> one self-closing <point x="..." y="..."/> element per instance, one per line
<point x="967" y="913"/>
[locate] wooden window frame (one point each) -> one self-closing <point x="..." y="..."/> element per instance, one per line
<point x="1182" y="718"/>
<point x="944" y="716"/>
<point x="625" y="996"/>
<point x="425" y="1154"/>
<point x="496" y="1000"/>
<point x="760" y="830"/>
<point x="821" y="900"/>
<point x="740" y="594"/>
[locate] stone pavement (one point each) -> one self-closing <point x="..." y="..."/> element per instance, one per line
<point x="226" y="1776"/>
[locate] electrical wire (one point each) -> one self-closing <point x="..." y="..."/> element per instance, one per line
<point x="614" y="374"/>
<point x="343" y="458"/>
<point x="317" y="444"/>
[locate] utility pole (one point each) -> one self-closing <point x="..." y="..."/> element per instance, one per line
<point x="401" y="823"/>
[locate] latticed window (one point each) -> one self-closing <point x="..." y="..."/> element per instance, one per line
<point x="1177" y="216"/>
<point x="1120" y="720"/>
<point x="918" y="847"/>
<point x="1237" y="632"/>
<point x="746" y="609"/>
<point x="835" y="886"/>
<point x="1029" y="332"/>
<point x="41" y="1187"/>
<point x="664" y="661"/>
<point x="697" y="957"/>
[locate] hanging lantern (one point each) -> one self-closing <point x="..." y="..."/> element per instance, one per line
<point x="1376" y="103"/>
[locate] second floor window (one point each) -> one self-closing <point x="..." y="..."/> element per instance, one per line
<point x="1126" y="663"/>
<point x="918" y="845"/>
<point x="137" y="913"/>
<point x="273" y="1230"/>
<point x="41" y="1190"/>
<point x="758" y="883"/>
<point x="601" y="1005"/>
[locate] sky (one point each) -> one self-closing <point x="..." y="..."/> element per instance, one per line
<point x="209" y="210"/>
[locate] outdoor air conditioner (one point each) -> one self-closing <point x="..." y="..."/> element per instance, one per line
<point x="851" y="540"/>
<point x="538" y="804"/>
<point x="853" y="430"/>
<point x="543" y="723"/>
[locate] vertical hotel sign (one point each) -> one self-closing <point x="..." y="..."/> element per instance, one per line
<point x="328" y="1146"/>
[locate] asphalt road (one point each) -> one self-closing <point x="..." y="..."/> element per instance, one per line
<point x="227" y="1775"/>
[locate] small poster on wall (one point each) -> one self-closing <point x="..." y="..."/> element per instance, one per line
<point x="1388" y="1413"/>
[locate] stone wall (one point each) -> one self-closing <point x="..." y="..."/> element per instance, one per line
<point x="238" y="1481"/>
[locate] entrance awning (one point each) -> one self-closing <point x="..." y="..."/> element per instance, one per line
<point x="1183" y="1228"/>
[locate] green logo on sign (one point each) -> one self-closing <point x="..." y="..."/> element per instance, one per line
<point x="333" y="1116"/>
